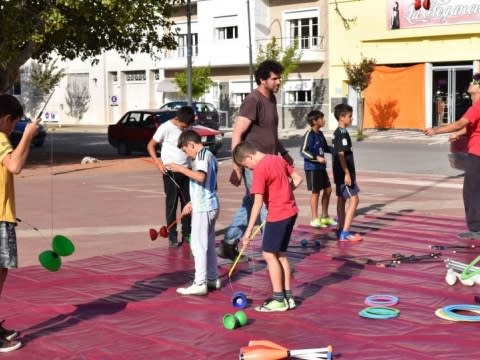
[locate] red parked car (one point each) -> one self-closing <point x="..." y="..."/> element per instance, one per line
<point x="458" y="153"/>
<point x="135" y="129"/>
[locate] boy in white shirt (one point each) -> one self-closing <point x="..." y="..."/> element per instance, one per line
<point x="175" y="184"/>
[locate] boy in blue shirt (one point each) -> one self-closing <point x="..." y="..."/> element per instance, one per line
<point x="313" y="151"/>
<point x="203" y="207"/>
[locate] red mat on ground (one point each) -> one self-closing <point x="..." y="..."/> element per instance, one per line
<point x="126" y="307"/>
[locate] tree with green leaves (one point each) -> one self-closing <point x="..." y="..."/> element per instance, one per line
<point x="358" y="77"/>
<point x="201" y="81"/>
<point x="39" y="81"/>
<point x="288" y="57"/>
<point x="80" y="29"/>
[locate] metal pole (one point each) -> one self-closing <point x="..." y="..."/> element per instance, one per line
<point x="189" y="53"/>
<point x="250" y="61"/>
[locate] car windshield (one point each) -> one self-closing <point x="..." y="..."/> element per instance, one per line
<point x="199" y="107"/>
<point x="204" y="107"/>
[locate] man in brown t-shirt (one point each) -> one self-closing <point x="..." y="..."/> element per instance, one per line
<point x="257" y="122"/>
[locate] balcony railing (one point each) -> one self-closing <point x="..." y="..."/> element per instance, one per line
<point x="301" y="42"/>
<point x="181" y="52"/>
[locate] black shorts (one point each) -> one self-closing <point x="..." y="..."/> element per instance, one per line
<point x="317" y="180"/>
<point x="277" y="235"/>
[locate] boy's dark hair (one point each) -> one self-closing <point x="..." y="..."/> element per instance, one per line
<point x="342" y="110"/>
<point x="265" y="68"/>
<point x="188" y="136"/>
<point x="241" y="151"/>
<point x="9" y="105"/>
<point x="185" y="115"/>
<point x="314" y="115"/>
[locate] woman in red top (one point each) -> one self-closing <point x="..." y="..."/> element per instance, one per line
<point x="469" y="124"/>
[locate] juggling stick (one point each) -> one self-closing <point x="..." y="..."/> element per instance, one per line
<point x="454" y="270"/>
<point x="45" y="105"/>
<point x="394" y="261"/>
<point x="243" y="249"/>
<point x="262" y="352"/>
<point x="163" y="232"/>
<point x="452" y="247"/>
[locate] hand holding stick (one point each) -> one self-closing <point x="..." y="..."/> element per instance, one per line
<point x="243" y="249"/>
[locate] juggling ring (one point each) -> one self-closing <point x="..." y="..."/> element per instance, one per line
<point x="381" y="300"/>
<point x="448" y="312"/>
<point x="51" y="259"/>
<point x="465" y="275"/>
<point x="379" y="312"/>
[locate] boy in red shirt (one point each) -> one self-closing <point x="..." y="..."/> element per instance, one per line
<point x="273" y="183"/>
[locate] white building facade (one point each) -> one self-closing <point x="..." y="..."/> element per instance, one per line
<point x="220" y="40"/>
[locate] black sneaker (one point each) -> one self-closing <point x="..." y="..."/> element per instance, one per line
<point x="173" y="244"/>
<point x="227" y="251"/>
<point x="9" y="345"/>
<point x="6" y="333"/>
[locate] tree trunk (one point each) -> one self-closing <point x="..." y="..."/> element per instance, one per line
<point x="360" y="113"/>
<point x="10" y="70"/>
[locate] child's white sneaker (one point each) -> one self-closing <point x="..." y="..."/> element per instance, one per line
<point x="194" y="289"/>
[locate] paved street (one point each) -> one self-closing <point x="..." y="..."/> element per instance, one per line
<point x="108" y="207"/>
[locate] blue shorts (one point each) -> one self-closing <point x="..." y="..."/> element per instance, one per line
<point x="346" y="191"/>
<point x="277" y="235"/>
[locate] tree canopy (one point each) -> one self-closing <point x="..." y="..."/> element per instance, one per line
<point x="80" y="29"/>
<point x="289" y="57"/>
<point x="201" y="81"/>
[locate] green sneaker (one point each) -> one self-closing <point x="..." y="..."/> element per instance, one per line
<point x="272" y="305"/>
<point x="328" y="221"/>
<point x="317" y="224"/>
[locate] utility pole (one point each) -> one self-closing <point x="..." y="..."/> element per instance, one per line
<point x="189" y="52"/>
<point x="250" y="61"/>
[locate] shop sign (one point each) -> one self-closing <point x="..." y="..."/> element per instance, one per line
<point x="423" y="13"/>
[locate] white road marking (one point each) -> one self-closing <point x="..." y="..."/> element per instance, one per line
<point x="438" y="184"/>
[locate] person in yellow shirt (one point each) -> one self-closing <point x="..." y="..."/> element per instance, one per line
<point x="12" y="162"/>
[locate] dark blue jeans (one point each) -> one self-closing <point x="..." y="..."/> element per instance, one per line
<point x="239" y="223"/>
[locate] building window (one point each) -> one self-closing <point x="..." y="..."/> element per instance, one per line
<point x="237" y="98"/>
<point x="298" y="97"/>
<point x="227" y="32"/>
<point x="305" y="31"/>
<point x="114" y="76"/>
<point x="135" y="76"/>
<point x="156" y="75"/>
<point x="183" y="46"/>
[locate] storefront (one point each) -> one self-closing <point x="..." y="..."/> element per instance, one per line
<point x="426" y="51"/>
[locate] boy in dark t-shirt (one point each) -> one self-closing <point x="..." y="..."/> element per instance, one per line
<point x="344" y="174"/>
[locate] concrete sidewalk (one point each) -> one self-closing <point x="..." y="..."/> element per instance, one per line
<point x="370" y="134"/>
